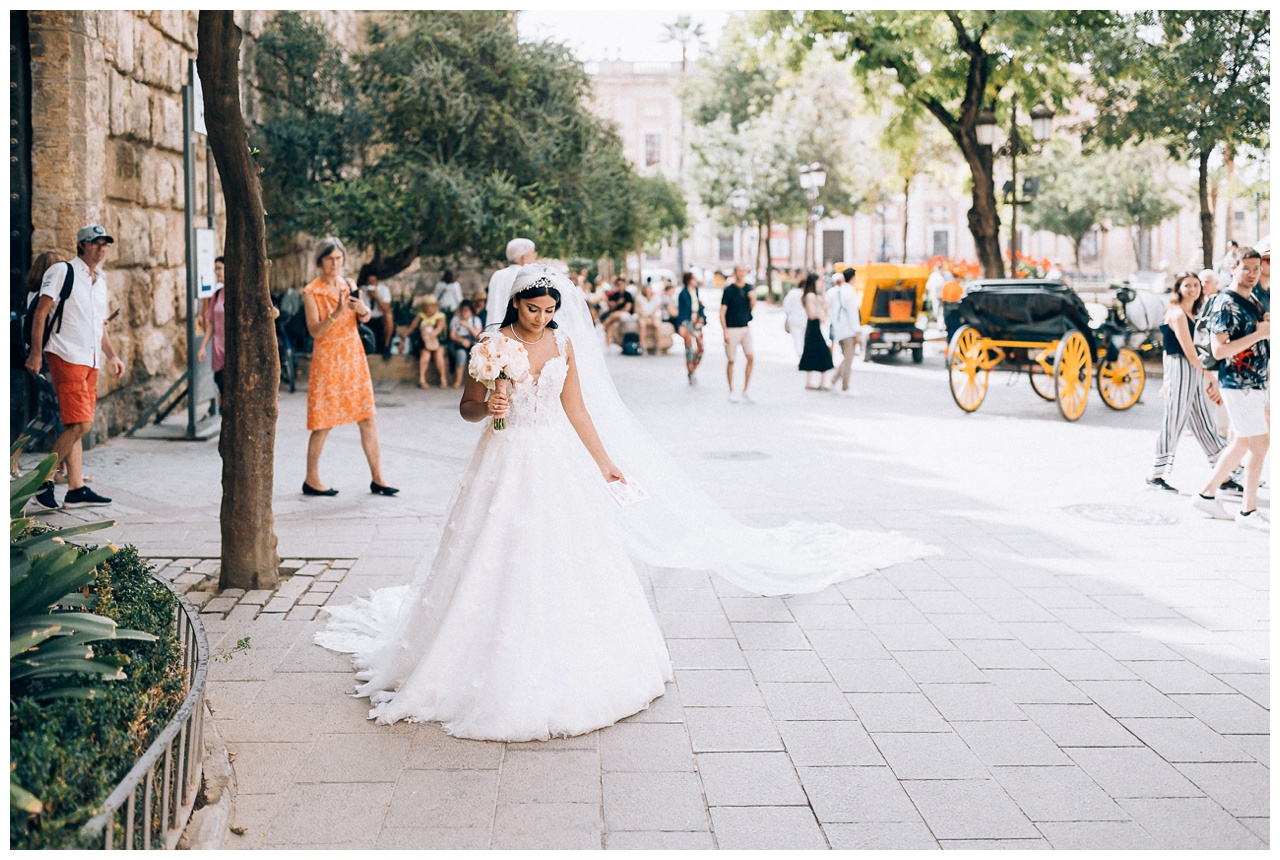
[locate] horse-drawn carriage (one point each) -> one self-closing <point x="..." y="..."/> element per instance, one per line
<point x="1043" y="328"/>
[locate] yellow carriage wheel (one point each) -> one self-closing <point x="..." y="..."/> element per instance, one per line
<point x="1120" y="382"/>
<point x="1072" y="370"/>
<point x="966" y="369"/>
<point x="1041" y="382"/>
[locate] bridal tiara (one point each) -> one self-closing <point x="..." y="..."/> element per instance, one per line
<point x="542" y="281"/>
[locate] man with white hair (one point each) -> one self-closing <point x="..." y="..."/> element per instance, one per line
<point x="520" y="252"/>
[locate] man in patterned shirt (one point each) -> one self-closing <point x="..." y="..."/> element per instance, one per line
<point x="1241" y="332"/>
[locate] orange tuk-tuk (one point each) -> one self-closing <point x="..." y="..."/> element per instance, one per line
<point x="892" y="298"/>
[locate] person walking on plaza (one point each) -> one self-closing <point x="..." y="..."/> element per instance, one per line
<point x="69" y="331"/>
<point x="377" y="297"/>
<point x="794" y="318"/>
<point x="817" y="352"/>
<point x="736" y="304"/>
<point x="1188" y="387"/>
<point x="952" y="293"/>
<point x="520" y="252"/>
<point x="1241" y="333"/>
<point x="215" y="326"/>
<point x="691" y="316"/>
<point x="842" y="311"/>
<point x="339" y="389"/>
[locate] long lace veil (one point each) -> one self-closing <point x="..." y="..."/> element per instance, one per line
<point x="680" y="526"/>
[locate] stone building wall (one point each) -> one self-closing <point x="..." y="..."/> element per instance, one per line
<point x="106" y="94"/>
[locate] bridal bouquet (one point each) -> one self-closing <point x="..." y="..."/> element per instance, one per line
<point x="498" y="358"/>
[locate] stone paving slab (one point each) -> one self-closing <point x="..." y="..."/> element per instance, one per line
<point x="1062" y="675"/>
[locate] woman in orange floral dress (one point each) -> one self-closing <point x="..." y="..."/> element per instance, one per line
<point x="339" y="390"/>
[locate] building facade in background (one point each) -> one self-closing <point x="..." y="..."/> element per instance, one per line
<point x="642" y="100"/>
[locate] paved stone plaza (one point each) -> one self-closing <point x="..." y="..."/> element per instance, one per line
<point x="1084" y="665"/>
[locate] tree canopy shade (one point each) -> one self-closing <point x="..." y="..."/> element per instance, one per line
<point x="758" y="122"/>
<point x="954" y="65"/>
<point x="1071" y="199"/>
<point x="468" y="137"/>
<point x="1191" y="79"/>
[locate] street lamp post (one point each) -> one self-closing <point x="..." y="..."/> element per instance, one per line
<point x="1041" y="129"/>
<point x="812" y="178"/>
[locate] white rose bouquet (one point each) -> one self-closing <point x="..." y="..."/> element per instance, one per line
<point x="495" y="360"/>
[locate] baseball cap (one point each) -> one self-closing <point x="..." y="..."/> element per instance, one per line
<point x="91" y="233"/>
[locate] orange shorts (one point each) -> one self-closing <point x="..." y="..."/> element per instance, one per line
<point x="77" y="389"/>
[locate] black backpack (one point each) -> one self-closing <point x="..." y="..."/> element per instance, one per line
<point x="53" y="322"/>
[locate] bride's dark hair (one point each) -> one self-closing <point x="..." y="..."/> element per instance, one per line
<point x="530" y="293"/>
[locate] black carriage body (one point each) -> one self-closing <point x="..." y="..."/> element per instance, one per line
<point x="1023" y="310"/>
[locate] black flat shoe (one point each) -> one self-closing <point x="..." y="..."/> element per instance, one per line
<point x="308" y="490"/>
<point x="378" y="489"/>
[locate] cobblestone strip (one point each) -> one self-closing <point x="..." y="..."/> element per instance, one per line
<point x="305" y="585"/>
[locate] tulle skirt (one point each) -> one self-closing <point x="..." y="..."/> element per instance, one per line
<point x="531" y="623"/>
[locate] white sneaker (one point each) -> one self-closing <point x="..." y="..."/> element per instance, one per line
<point x="1255" y="520"/>
<point x="747" y="398"/>
<point x="734" y="397"/>
<point x="1212" y="507"/>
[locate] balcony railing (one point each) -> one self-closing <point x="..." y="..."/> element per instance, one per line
<point x="154" y="800"/>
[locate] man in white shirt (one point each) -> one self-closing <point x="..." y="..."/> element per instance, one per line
<point x="520" y="252"/>
<point x="76" y="343"/>
<point x="842" y="311"/>
<point x="448" y="293"/>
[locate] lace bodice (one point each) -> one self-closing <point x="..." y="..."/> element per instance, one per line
<point x="535" y="401"/>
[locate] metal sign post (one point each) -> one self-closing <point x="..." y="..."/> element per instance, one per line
<point x="201" y="249"/>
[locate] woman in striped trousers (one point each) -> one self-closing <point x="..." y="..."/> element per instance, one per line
<point x="1188" y="387"/>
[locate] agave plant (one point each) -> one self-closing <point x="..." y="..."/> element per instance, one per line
<point x="49" y="641"/>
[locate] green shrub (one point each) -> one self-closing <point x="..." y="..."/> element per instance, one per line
<point x="70" y="753"/>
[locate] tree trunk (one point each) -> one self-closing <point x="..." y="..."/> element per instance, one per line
<point x="249" y="409"/>
<point x="1206" y="212"/>
<point x="768" y="253"/>
<point x="984" y="220"/>
<point x="1228" y="209"/>
<point x="906" y="218"/>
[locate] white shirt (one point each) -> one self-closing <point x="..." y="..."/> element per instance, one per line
<point x="83" y="316"/>
<point x="649" y="307"/>
<point x="797" y="319"/>
<point x="449" y="295"/>
<point x="374" y="295"/>
<point x="842" y="311"/>
<point x="499" y="292"/>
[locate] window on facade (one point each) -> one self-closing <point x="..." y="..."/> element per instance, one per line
<point x="941" y="243"/>
<point x="726" y="247"/>
<point x="652" y="149"/>
<point x="832" y="246"/>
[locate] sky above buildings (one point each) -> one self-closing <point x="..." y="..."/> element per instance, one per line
<point x="617" y="35"/>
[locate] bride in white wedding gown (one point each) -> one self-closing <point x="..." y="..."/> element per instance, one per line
<point x="529" y="624"/>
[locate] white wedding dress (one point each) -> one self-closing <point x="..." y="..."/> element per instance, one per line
<point x="530" y="624"/>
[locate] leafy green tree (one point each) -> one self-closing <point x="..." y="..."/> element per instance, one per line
<point x="314" y="123"/>
<point x="1192" y="79"/>
<point x="1072" y="196"/>
<point x="758" y="122"/>
<point x="472" y="137"/>
<point x="1139" y="195"/>
<point x="953" y="65"/>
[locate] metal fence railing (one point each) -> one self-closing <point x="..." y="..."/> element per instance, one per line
<point x="150" y="806"/>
